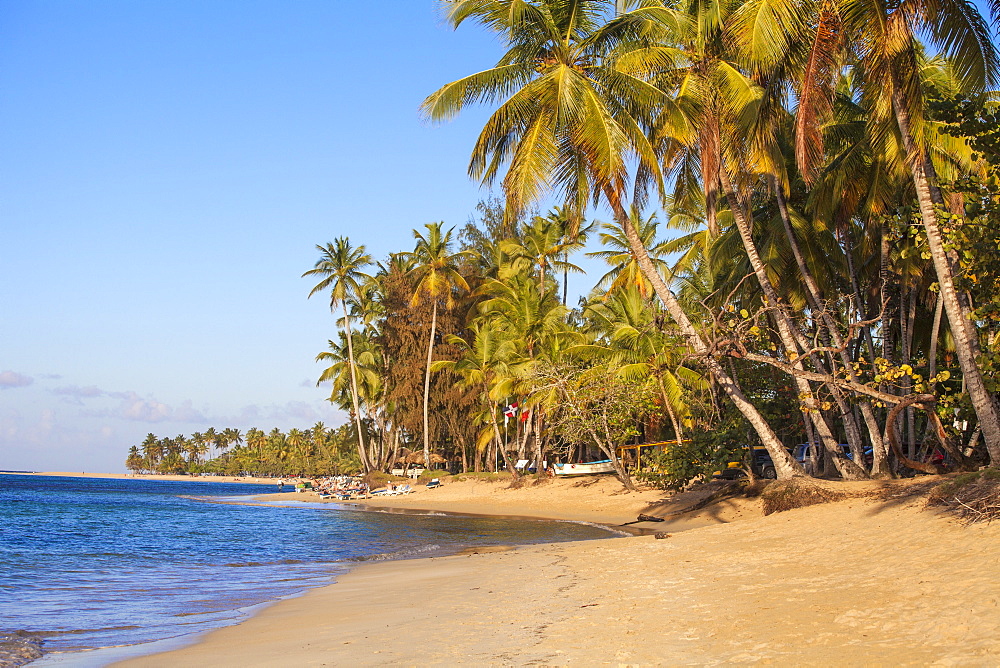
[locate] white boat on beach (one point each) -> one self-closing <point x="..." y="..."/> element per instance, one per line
<point x="585" y="468"/>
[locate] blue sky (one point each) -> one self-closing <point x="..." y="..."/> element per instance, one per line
<point x="166" y="170"/>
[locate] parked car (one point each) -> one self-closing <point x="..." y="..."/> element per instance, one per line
<point x="803" y="453"/>
<point x="763" y="467"/>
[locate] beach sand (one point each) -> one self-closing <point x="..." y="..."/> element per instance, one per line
<point x="858" y="582"/>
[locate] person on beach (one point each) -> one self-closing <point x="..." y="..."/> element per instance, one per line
<point x="281" y="485"/>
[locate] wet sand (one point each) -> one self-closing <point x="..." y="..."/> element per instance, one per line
<point x="858" y="582"/>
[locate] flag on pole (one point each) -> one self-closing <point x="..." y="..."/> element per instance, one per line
<point x="510" y="411"/>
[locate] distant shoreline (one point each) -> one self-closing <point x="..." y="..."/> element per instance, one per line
<point x="152" y="476"/>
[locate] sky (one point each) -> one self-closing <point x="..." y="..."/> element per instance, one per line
<point x="166" y="171"/>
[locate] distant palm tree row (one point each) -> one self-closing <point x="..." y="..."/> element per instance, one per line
<point x="832" y="281"/>
<point x="314" y="451"/>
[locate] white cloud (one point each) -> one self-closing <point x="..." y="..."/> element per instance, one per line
<point x="135" y="408"/>
<point x="187" y="413"/>
<point x="294" y="413"/>
<point x="9" y="379"/>
<point x="75" y="391"/>
<point x="75" y="395"/>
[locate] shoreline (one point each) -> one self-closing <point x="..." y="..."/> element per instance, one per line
<point x="595" y="500"/>
<point x="879" y="580"/>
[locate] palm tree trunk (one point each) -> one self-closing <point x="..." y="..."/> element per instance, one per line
<point x="813" y="294"/>
<point x="932" y="353"/>
<point x="710" y="172"/>
<point x="784" y="464"/>
<point x="847" y="469"/>
<point x="908" y="318"/>
<point x="427" y="386"/>
<point x="966" y="344"/>
<point x="678" y="435"/>
<point x="852" y="270"/>
<point x="362" y="451"/>
<point x="565" y="285"/>
<point x="538" y="442"/>
<point x="880" y="453"/>
<point x="500" y="443"/>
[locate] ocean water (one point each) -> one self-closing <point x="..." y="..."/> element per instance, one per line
<point x="90" y="563"/>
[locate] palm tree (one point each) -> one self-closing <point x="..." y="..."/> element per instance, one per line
<point x="485" y="363"/>
<point x="297" y="445"/>
<point x="625" y="270"/>
<point x="134" y="461"/>
<point x="881" y="38"/>
<point x="570" y="120"/>
<point x="884" y="38"/>
<point x="233" y="436"/>
<point x="193" y="447"/>
<point x="257" y="442"/>
<point x="736" y="109"/>
<point x="152" y="450"/>
<point x="211" y="438"/>
<point x="541" y="244"/>
<point x="535" y="320"/>
<point x="636" y="349"/>
<point x="366" y="377"/>
<point x="436" y="277"/>
<point x="341" y="265"/>
<point x="278" y="449"/>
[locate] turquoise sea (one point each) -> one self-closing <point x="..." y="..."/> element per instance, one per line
<point x="89" y="563"/>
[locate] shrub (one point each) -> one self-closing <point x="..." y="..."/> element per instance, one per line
<point x="430" y="474"/>
<point x="676" y="465"/>
<point x="975" y="497"/>
<point x="485" y="476"/>
<point x="785" y="495"/>
<point x="376" y="479"/>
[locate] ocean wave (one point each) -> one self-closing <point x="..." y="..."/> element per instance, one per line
<point x="69" y="632"/>
<point x="280" y="562"/>
<point x="609" y="529"/>
<point x="399" y="554"/>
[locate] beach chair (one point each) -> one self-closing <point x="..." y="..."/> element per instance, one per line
<point x="434" y="484"/>
<point x="405" y="489"/>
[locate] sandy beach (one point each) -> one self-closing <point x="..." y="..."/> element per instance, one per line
<point x="867" y="581"/>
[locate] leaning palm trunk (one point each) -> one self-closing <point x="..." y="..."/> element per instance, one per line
<point x="784" y="464"/>
<point x="932" y="353"/>
<point x="959" y="318"/>
<point x="427" y="387"/>
<point x="847" y="469"/>
<point x="880" y="465"/>
<point x="880" y="453"/>
<point x="678" y="434"/>
<point x="499" y="441"/>
<point x="362" y="451"/>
